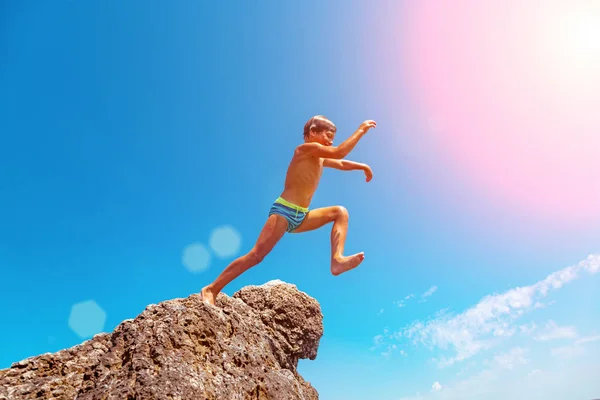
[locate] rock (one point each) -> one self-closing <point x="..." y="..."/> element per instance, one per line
<point x="246" y="347"/>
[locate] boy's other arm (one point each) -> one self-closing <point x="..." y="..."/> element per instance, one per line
<point x="343" y="165"/>
<point x="346" y="165"/>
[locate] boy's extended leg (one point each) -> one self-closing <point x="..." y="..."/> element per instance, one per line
<point x="272" y="232"/>
<point x="339" y="216"/>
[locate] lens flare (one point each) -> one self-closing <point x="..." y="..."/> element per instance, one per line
<point x="517" y="84"/>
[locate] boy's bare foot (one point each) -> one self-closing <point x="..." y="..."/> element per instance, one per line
<point x="343" y="264"/>
<point x="207" y="295"/>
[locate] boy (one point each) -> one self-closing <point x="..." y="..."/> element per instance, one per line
<point x="290" y="212"/>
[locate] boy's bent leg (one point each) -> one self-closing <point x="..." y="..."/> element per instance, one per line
<point x="272" y="232"/>
<point x="339" y="216"/>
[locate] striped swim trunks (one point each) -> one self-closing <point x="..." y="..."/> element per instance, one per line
<point x="292" y="213"/>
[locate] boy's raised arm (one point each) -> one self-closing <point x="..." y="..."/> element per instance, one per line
<point x="337" y="152"/>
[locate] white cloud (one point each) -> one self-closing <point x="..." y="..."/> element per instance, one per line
<point x="468" y="367"/>
<point x="528" y="329"/>
<point x="402" y="303"/>
<point x="514" y="357"/>
<point x="575" y="349"/>
<point x="511" y="376"/>
<point x="389" y="351"/>
<point x="378" y="340"/>
<point x="491" y="319"/>
<point x="539" y="304"/>
<point x="588" y="339"/>
<point x="430" y="291"/>
<point x="553" y="332"/>
<point x="436" y="387"/>
<point x="476" y="386"/>
<point x="505" y="330"/>
<point x="514" y="374"/>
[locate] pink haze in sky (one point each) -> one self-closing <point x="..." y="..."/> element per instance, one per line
<point x="513" y="88"/>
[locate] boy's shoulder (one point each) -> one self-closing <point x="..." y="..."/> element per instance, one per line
<point x="308" y="146"/>
<point x="305" y="151"/>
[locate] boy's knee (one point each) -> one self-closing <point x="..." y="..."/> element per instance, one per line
<point x="341" y="212"/>
<point x="256" y="255"/>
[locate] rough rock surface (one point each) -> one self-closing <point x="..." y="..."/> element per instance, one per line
<point x="247" y="347"/>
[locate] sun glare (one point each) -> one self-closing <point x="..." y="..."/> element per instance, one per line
<point x="518" y="88"/>
<point x="577" y="40"/>
<point x="585" y="36"/>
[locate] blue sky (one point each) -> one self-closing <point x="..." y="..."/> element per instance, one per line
<point x="133" y="130"/>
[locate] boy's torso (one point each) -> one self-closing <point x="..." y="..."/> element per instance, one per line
<point x="302" y="179"/>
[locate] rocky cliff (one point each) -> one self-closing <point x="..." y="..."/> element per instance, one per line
<point x="246" y="347"/>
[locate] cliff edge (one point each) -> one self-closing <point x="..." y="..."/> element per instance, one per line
<point x="246" y="347"/>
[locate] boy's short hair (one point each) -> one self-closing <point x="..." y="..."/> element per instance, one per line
<point x="318" y="123"/>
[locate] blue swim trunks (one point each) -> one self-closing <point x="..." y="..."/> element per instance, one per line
<point x="292" y="213"/>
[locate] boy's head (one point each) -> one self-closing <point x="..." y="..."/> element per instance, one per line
<point x="319" y="129"/>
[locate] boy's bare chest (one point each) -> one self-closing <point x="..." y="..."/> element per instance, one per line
<point x="307" y="170"/>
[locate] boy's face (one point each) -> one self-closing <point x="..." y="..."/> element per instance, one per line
<point x="325" y="137"/>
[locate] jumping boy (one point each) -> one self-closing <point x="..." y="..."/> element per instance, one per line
<point x="290" y="211"/>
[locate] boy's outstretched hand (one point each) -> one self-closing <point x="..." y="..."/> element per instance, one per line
<point x="368" y="172"/>
<point x="368" y="124"/>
